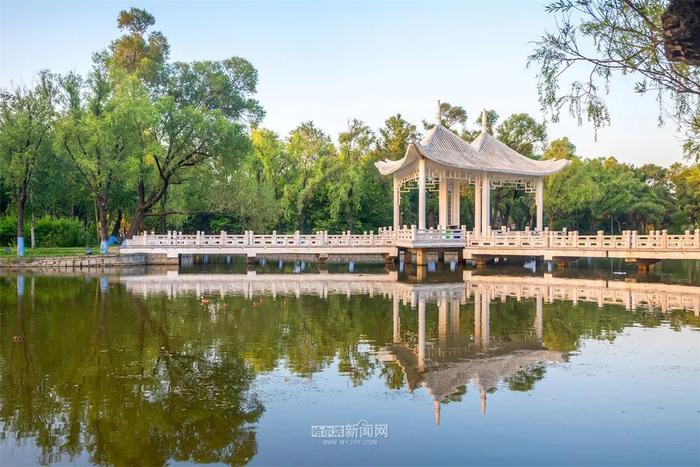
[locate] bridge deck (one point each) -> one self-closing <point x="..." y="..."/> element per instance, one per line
<point x="547" y="245"/>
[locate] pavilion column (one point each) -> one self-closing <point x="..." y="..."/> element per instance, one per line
<point x="442" y="201"/>
<point x="539" y="201"/>
<point x="421" y="193"/>
<point x="477" y="206"/>
<point x="456" y="192"/>
<point x="421" y="334"/>
<point x="485" y="319"/>
<point x="539" y="323"/>
<point x="397" y="204"/>
<point x="485" y="204"/>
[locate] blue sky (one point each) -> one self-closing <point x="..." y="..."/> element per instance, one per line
<point x="335" y="60"/>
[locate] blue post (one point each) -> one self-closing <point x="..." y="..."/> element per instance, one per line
<point x="104" y="284"/>
<point x="20" y="286"/>
<point x="351" y="266"/>
<point x="20" y="246"/>
<point x="104" y="247"/>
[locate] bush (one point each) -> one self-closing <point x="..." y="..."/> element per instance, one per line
<point x="8" y="230"/>
<point x="49" y="232"/>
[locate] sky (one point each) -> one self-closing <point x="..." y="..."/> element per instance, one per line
<point x="336" y="60"/>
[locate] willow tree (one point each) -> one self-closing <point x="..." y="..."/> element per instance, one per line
<point x="596" y="40"/>
<point x="354" y="148"/>
<point x="26" y="120"/>
<point x="100" y="133"/>
<point x="310" y="151"/>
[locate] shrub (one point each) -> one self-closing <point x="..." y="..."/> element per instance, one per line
<point x="49" y="232"/>
<point x="8" y="230"/>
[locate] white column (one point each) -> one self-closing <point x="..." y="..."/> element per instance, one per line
<point x="421" y="334"/>
<point x="485" y="204"/>
<point x="456" y="189"/>
<point x="539" y="198"/>
<point x="485" y="319"/>
<point x="442" y="201"/>
<point x="397" y="204"/>
<point x="538" y="318"/>
<point x="442" y="323"/>
<point x="421" y="193"/>
<point x="477" y="206"/>
<point x="477" y="318"/>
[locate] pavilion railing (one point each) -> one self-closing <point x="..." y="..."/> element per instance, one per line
<point x="412" y="236"/>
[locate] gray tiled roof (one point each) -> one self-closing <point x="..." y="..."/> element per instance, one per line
<point x="484" y="154"/>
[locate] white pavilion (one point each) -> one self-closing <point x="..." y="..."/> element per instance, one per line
<point x="445" y="162"/>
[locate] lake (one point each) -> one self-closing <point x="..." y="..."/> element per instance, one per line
<point x="356" y="364"/>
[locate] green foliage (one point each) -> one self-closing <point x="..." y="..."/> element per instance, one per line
<point x="50" y="232"/>
<point x="8" y="230"/>
<point x="133" y="52"/>
<point x="26" y="124"/>
<point x="62" y="232"/>
<point x="599" y="39"/>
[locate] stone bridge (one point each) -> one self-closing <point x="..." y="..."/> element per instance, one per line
<point x="558" y="246"/>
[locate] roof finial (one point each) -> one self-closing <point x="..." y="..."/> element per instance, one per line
<point x="438" y="113"/>
<point x="484" y="126"/>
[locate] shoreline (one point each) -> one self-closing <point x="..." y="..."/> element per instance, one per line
<point x="74" y="262"/>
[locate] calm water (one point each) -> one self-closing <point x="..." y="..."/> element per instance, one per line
<point x="285" y="365"/>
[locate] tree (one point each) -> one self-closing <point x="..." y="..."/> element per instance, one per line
<point x="453" y="117"/>
<point x="201" y="107"/>
<point x="394" y="137"/>
<point x="136" y="54"/>
<point x="348" y="172"/>
<point x="26" y="119"/>
<point x="560" y="148"/>
<point x="599" y="39"/>
<point x="100" y="132"/>
<point x="523" y="134"/>
<point x="686" y="185"/>
<point x="310" y="151"/>
<point x="491" y="119"/>
<point x="187" y="137"/>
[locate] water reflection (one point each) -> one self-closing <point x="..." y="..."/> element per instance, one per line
<point x="154" y="368"/>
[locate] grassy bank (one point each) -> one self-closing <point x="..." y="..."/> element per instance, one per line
<point x="50" y="252"/>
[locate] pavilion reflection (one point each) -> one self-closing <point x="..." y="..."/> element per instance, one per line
<point x="457" y="358"/>
<point x="465" y="350"/>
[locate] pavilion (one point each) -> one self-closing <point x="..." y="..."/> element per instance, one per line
<point x="444" y="162"/>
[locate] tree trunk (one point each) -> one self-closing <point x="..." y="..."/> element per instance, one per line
<point x="117" y="224"/>
<point x="163" y="203"/>
<point x="21" y="201"/>
<point x="144" y="206"/>
<point x="102" y="206"/>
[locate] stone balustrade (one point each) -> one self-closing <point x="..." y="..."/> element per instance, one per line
<point x="412" y="237"/>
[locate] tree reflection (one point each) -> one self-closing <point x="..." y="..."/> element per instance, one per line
<point x="104" y="375"/>
<point x="96" y="372"/>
